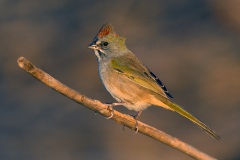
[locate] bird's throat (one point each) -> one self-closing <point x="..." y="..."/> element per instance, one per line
<point x="99" y="54"/>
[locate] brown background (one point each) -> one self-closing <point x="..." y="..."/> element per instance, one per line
<point x="193" y="47"/>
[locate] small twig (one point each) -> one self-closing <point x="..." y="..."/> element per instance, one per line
<point x="100" y="108"/>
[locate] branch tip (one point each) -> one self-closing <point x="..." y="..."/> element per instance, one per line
<point x="25" y="64"/>
<point x="20" y="61"/>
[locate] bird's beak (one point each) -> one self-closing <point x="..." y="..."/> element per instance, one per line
<point x="93" y="46"/>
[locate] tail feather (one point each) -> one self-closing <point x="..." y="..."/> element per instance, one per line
<point x="189" y="116"/>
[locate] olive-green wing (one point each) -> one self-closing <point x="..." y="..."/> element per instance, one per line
<point x="138" y="73"/>
<point x="135" y="71"/>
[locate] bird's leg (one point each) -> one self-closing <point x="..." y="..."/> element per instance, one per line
<point x="110" y="108"/>
<point x="136" y="118"/>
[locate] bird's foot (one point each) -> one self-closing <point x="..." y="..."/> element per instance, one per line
<point x="136" y="127"/>
<point x="136" y="118"/>
<point x="110" y="108"/>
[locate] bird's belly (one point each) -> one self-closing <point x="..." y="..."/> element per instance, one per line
<point x="134" y="96"/>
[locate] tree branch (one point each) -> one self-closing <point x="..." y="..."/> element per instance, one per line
<point x="101" y="108"/>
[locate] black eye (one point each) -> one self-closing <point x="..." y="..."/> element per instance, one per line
<point x="105" y="43"/>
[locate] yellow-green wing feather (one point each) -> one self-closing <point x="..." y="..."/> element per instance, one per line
<point x="143" y="77"/>
<point x="139" y="74"/>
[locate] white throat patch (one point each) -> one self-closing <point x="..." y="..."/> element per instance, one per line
<point x="98" y="53"/>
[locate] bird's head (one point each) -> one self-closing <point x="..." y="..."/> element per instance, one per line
<point x="107" y="43"/>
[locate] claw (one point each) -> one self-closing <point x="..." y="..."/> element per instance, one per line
<point x="136" y="127"/>
<point x="110" y="108"/>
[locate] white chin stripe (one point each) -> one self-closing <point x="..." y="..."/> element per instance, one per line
<point x="98" y="53"/>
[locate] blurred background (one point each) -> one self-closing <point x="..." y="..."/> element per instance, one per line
<point x="192" y="46"/>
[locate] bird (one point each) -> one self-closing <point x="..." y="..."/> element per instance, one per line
<point x="129" y="81"/>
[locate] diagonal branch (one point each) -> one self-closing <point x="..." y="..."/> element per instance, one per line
<point x="100" y="108"/>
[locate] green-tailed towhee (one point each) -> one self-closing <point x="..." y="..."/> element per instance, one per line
<point x="131" y="83"/>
